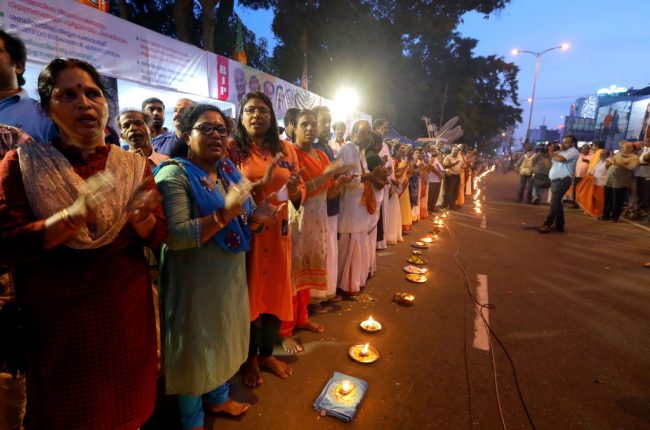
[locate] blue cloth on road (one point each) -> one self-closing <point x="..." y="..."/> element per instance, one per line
<point x="334" y="405"/>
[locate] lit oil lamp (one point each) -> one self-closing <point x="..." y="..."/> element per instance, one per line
<point x="370" y="325"/>
<point x="404" y="299"/>
<point x="444" y="215"/>
<point x="420" y="244"/>
<point x="365" y="350"/>
<point x="426" y="239"/>
<point x="363" y="353"/>
<point x="344" y="388"/>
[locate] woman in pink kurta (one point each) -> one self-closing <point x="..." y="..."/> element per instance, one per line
<point x="273" y="164"/>
<point x="75" y="244"/>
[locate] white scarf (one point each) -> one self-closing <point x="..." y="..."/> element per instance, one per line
<point x="51" y="185"/>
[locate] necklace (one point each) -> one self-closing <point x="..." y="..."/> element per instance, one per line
<point x="210" y="184"/>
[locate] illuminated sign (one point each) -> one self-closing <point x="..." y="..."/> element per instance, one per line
<point x="613" y="89"/>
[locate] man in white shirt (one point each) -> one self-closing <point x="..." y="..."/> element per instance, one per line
<point x="561" y="175"/>
<point x="289" y="124"/>
<point x="339" y="137"/>
<point x="354" y="261"/>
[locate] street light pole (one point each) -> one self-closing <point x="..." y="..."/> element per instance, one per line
<point x="538" y="59"/>
<point x="532" y="100"/>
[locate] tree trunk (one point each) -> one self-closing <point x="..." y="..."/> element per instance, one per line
<point x="209" y="17"/>
<point x="183" y="11"/>
<point x="124" y="10"/>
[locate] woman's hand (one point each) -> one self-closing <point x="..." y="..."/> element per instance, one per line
<point x="268" y="174"/>
<point x="63" y="224"/>
<point x="92" y="195"/>
<point x="235" y="197"/>
<point x="266" y="212"/>
<point x="336" y="167"/>
<point x="292" y="184"/>
<point x="143" y="200"/>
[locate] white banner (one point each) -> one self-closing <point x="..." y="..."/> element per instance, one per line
<point x="231" y="80"/>
<point x="66" y="28"/>
<point x="118" y="48"/>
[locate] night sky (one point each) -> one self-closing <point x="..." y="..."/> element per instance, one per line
<point x="609" y="41"/>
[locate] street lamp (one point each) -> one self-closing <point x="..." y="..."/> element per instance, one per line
<point x="538" y="56"/>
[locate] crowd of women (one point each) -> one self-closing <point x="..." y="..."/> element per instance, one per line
<point x="243" y="235"/>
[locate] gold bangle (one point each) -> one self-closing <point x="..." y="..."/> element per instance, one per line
<point x="66" y="219"/>
<point x="218" y="220"/>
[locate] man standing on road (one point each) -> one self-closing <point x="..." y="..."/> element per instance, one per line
<point x="354" y="259"/>
<point x="525" y="166"/>
<point x="561" y="175"/>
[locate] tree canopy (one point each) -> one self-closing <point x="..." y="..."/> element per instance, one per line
<point x="404" y="57"/>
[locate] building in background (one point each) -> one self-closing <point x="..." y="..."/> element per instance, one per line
<point x="611" y="115"/>
<point x="543" y="134"/>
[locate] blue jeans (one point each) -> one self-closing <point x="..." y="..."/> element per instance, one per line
<point x="555" y="215"/>
<point x="191" y="407"/>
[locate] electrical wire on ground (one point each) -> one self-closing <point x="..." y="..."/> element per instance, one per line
<point x="491" y="332"/>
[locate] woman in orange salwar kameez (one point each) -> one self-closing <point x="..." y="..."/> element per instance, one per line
<point x="308" y="229"/>
<point x="273" y="164"/>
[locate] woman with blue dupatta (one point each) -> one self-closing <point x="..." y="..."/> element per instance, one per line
<point x="203" y="288"/>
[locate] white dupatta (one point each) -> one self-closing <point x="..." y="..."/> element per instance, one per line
<point x="51" y="185"/>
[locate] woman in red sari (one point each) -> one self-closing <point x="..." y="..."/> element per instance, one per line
<point x="74" y="240"/>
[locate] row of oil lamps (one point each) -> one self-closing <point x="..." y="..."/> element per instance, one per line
<point x="365" y="353"/>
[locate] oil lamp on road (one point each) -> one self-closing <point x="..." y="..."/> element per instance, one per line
<point x="370" y="325"/>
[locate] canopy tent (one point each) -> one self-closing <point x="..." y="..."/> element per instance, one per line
<point x="393" y="134"/>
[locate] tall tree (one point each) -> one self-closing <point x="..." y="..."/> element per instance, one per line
<point x="208" y="24"/>
<point x="401" y="55"/>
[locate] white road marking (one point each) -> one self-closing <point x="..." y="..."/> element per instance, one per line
<point x="481" y="335"/>
<point x="383" y="253"/>
<point x="481" y="230"/>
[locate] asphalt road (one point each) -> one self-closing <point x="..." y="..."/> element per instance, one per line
<point x="572" y="310"/>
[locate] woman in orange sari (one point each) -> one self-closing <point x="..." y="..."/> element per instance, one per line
<point x="590" y="192"/>
<point x="308" y="228"/>
<point x="273" y="164"/>
<point x="401" y="169"/>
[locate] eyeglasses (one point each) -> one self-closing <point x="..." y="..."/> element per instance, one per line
<point x="208" y="129"/>
<point x="262" y="110"/>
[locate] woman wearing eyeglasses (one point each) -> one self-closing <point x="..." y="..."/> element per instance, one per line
<point x="256" y="149"/>
<point x="203" y="289"/>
